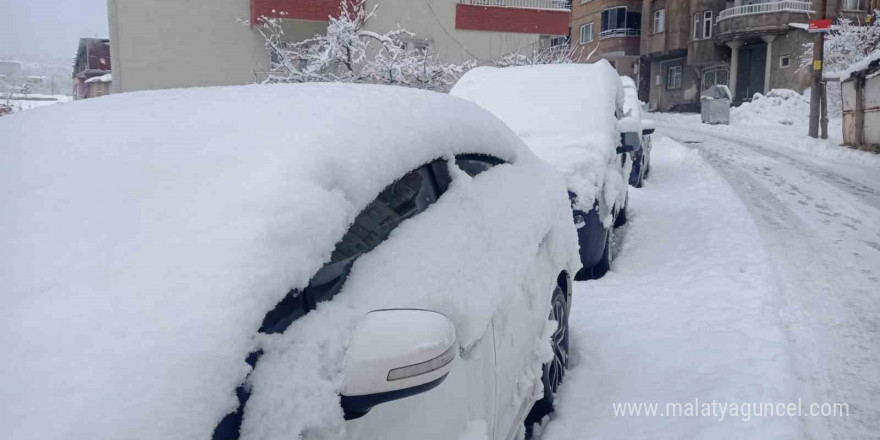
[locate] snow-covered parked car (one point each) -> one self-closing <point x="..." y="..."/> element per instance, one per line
<point x="633" y="121"/>
<point x="287" y="261"/>
<point x="568" y="114"/>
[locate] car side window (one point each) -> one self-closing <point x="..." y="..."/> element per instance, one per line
<point x="403" y="199"/>
<point x="474" y="164"/>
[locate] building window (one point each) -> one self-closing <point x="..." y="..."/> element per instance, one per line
<point x="614" y="18"/>
<point x="619" y="18"/>
<point x="673" y="78"/>
<point x="586" y="33"/>
<point x="853" y="5"/>
<point x="715" y="76"/>
<point x="707" y="24"/>
<point x="559" y="42"/>
<point x="784" y="61"/>
<point x="702" y="25"/>
<point x="659" y="21"/>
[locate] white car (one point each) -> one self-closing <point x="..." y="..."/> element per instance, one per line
<point x="568" y="114"/>
<point x="287" y="261"/>
<point x="644" y="128"/>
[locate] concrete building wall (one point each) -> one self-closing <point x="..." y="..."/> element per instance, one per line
<point x="662" y="97"/>
<point x="433" y="21"/>
<point x="789" y="45"/>
<point x="171" y="43"/>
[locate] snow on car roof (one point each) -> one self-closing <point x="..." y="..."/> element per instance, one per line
<point x="631" y="106"/>
<point x="139" y="264"/>
<point x="564" y="112"/>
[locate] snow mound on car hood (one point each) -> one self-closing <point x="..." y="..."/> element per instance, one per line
<point x="147" y="234"/>
<point x="564" y="112"/>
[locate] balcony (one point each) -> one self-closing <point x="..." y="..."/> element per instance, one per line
<point x="543" y="17"/>
<point x="547" y="5"/>
<point x="313" y="10"/>
<point x="618" y="33"/>
<point x="765" y="8"/>
<point x="755" y="20"/>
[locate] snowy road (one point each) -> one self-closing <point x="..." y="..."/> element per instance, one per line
<point x="821" y="224"/>
<point x="748" y="273"/>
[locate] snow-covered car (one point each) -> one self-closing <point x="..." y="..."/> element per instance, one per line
<point x="634" y="122"/>
<point x="568" y="114"/>
<point x="287" y="261"/>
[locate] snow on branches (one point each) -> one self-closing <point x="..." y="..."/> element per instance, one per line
<point x="348" y="52"/>
<point x="847" y="43"/>
<point x="536" y="54"/>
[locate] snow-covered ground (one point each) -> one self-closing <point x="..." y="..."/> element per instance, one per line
<point x="749" y="272"/>
<point x="18" y="103"/>
<point x="689" y="312"/>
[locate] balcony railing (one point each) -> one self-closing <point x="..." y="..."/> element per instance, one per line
<point x="612" y="33"/>
<point x="766" y="8"/>
<point x="550" y="5"/>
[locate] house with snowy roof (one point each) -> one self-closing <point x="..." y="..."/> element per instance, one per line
<point x="91" y="69"/>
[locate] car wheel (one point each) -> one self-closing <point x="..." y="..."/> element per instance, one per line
<point x="604" y="265"/>
<point x="553" y="371"/>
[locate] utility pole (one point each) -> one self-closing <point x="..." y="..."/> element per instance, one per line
<point x="818" y="58"/>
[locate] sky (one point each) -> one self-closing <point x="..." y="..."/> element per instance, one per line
<point x="48" y="31"/>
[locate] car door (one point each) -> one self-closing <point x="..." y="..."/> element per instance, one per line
<point x="464" y="400"/>
<point x="517" y="329"/>
<point x="468" y="393"/>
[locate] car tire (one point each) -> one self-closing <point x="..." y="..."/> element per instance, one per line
<point x="641" y="180"/>
<point x="553" y="371"/>
<point x="620" y="220"/>
<point x="604" y="265"/>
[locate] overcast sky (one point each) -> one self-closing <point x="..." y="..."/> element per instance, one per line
<point x="48" y="31"/>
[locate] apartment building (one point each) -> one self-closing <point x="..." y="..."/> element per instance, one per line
<point x="676" y="49"/>
<point x="163" y="44"/>
<point x="608" y="29"/>
<point x="91" y="68"/>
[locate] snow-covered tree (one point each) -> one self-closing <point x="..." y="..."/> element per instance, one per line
<point x="348" y="52"/>
<point x="848" y="43"/>
<point x="561" y="54"/>
<point x="25" y="88"/>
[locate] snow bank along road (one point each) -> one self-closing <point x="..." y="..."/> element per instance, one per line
<point x="690" y="311"/>
<point x="750" y="272"/>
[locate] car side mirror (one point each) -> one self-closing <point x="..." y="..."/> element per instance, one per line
<point x="396" y="353"/>
<point x="629" y="142"/>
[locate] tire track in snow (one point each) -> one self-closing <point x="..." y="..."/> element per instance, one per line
<point x="822" y="238"/>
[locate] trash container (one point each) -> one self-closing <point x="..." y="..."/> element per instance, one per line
<point x="715" y="105"/>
